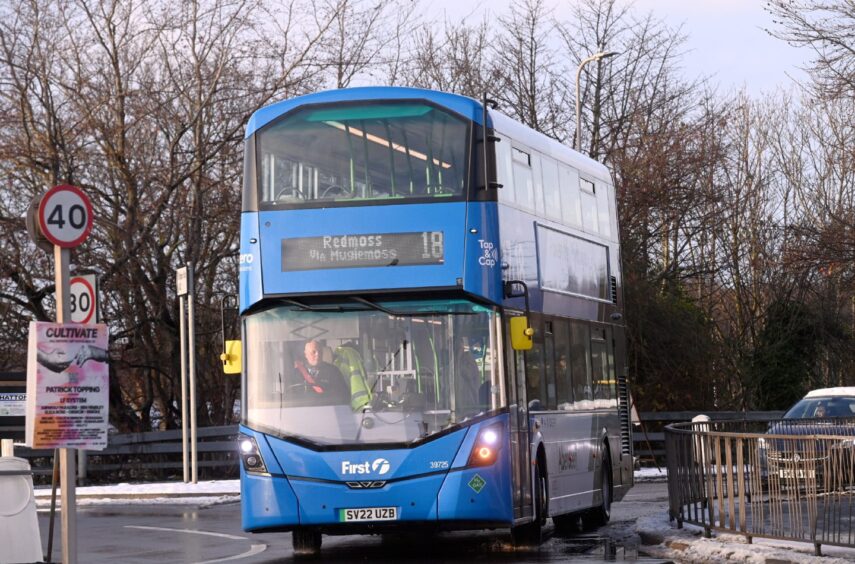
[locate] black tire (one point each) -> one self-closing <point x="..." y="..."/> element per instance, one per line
<point x="306" y="542"/>
<point x="599" y="516"/>
<point x="531" y="534"/>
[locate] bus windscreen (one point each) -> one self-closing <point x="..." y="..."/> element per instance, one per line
<point x="362" y="153"/>
<point x="393" y="375"/>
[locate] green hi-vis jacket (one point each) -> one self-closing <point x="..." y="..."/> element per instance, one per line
<point x="348" y="360"/>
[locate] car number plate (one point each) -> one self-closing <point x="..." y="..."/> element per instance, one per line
<point x="368" y="514"/>
<point x="800" y="473"/>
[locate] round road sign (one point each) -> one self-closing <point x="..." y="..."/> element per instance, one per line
<point x="81" y="294"/>
<point x="65" y="216"/>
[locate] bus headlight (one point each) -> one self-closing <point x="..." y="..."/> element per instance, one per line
<point x="250" y="455"/>
<point x="485" y="451"/>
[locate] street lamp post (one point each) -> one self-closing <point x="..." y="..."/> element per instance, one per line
<point x="594" y="57"/>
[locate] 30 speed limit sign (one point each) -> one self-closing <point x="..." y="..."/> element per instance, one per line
<point x="65" y="216"/>
<point x="83" y="299"/>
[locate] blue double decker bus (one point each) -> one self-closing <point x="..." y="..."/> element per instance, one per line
<point x="431" y="321"/>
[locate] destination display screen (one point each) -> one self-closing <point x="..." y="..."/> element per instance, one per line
<point x="364" y="250"/>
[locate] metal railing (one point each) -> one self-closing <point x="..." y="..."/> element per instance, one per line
<point x="782" y="479"/>
<point x="649" y="438"/>
<point x="149" y="455"/>
<point x="157" y="454"/>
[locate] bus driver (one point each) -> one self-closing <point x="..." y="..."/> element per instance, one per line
<point x="321" y="379"/>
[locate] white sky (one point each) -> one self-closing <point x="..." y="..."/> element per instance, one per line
<point x="726" y="38"/>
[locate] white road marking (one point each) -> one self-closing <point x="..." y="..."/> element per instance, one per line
<point x="253" y="550"/>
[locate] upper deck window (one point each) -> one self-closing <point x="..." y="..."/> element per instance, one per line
<point x="522" y="157"/>
<point x="361" y="153"/>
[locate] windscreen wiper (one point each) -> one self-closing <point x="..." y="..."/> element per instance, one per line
<point x="307" y="307"/>
<point x="397" y="313"/>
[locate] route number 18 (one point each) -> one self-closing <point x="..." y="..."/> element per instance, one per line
<point x="432" y="244"/>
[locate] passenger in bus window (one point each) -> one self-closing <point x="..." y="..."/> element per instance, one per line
<point x="467" y="379"/>
<point x="535" y="385"/>
<point x="565" y="385"/>
<point x="321" y="378"/>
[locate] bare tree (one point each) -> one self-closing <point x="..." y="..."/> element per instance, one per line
<point x="366" y="38"/>
<point x="145" y="110"/>
<point x="529" y="78"/>
<point x="453" y="58"/>
<point x="825" y="27"/>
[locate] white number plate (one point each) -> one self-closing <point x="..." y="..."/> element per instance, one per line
<point x="368" y="514"/>
<point x="800" y="473"/>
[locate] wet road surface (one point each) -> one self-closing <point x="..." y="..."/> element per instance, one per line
<point x="183" y="534"/>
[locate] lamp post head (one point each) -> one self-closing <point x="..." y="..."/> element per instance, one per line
<point x="594" y="57"/>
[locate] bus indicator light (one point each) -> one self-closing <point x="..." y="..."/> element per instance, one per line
<point x="486" y="447"/>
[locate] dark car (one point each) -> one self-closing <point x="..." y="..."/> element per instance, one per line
<point x="827" y="402"/>
<point x="814" y="441"/>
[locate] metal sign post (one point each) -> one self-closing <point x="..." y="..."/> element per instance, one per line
<point x="67" y="456"/>
<point x="184" y="286"/>
<point x="181" y="286"/>
<point x="64" y="217"/>
<point x="191" y="336"/>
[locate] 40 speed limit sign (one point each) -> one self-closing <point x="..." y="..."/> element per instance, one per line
<point x="65" y="216"/>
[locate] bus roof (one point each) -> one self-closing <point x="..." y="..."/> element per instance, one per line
<point x="547" y="145"/>
<point x="463" y="105"/>
<point x="466" y="107"/>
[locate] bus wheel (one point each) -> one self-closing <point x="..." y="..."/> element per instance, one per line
<point x="599" y="516"/>
<point x="306" y="542"/>
<point x="529" y="535"/>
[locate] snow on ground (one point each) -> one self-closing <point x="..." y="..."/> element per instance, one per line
<point x="174" y="493"/>
<point x="43" y="503"/>
<point x="162" y="489"/>
<point x="663" y="540"/>
<point x="651" y="474"/>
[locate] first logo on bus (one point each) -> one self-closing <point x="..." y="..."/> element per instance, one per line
<point x="65" y="216"/>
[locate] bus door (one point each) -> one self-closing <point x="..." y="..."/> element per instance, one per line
<point x="520" y="437"/>
<point x="605" y="385"/>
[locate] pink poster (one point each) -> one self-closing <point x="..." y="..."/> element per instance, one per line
<point x="67" y="386"/>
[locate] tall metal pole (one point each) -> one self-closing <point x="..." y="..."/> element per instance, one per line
<point x="594" y="57"/>
<point x="191" y="297"/>
<point x="67" y="456"/>
<point x="183" y="336"/>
